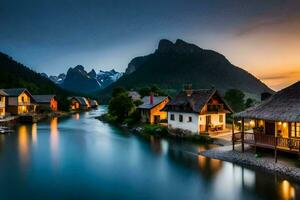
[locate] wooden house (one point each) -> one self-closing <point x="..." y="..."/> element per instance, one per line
<point x="46" y="102"/>
<point x="276" y="122"/>
<point x="93" y="103"/>
<point x="79" y="103"/>
<point x="19" y="101"/>
<point x="151" y="109"/>
<point x="197" y="111"/>
<point x="2" y="103"/>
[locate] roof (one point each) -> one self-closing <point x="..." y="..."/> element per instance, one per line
<point x="14" y="92"/>
<point x="2" y="93"/>
<point x="43" y="98"/>
<point x="94" y="102"/>
<point x="156" y="100"/>
<point x="82" y="100"/>
<point x="282" y="106"/>
<point x="196" y="101"/>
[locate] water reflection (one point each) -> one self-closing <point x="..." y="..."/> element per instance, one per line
<point x="54" y="140"/>
<point x="34" y="133"/>
<point x="209" y="164"/>
<point x="23" y="145"/>
<point x="287" y="191"/>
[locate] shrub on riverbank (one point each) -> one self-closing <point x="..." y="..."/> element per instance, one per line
<point x="156" y="130"/>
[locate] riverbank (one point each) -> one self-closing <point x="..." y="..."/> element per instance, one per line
<point x="157" y="131"/>
<point x="249" y="159"/>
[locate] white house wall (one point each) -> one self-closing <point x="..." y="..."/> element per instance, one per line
<point x="185" y="125"/>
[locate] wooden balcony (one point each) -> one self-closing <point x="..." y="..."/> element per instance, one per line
<point x="268" y="141"/>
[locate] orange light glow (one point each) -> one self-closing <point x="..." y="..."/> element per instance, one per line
<point x="23" y="144"/>
<point x="287" y="190"/>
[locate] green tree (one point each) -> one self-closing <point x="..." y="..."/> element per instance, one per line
<point x="235" y="99"/>
<point x="249" y="103"/>
<point x="117" y="91"/>
<point x="120" y="106"/>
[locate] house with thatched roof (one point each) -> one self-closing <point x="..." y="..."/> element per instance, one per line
<point x="19" y="101"/>
<point x="151" y="109"/>
<point x="275" y="121"/>
<point x="46" y="102"/>
<point x="79" y="103"/>
<point x="197" y="111"/>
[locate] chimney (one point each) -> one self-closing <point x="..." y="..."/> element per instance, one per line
<point x="188" y="88"/>
<point x="265" y="95"/>
<point x="151" y="98"/>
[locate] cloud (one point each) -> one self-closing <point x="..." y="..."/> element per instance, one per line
<point x="281" y="76"/>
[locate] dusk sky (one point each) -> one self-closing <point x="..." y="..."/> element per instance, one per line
<point x="263" y="37"/>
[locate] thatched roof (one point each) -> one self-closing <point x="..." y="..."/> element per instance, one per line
<point x="193" y="102"/>
<point x="282" y="106"/>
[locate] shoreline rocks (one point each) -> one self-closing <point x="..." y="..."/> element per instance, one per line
<point x="248" y="159"/>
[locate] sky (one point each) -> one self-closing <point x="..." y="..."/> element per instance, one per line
<point x="50" y="36"/>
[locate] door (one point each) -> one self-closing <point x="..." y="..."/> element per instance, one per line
<point x="270" y="127"/>
<point x="156" y="119"/>
<point x="208" y="122"/>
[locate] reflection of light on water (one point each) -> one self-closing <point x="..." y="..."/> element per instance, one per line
<point x="210" y="163"/>
<point x="54" y="140"/>
<point x="34" y="133"/>
<point x="155" y="144"/>
<point x="287" y="190"/>
<point x="23" y="144"/>
<point x="165" y="146"/>
<point x="77" y="116"/>
<point x="248" y="177"/>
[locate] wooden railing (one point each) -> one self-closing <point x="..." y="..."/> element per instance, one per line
<point x="270" y="141"/>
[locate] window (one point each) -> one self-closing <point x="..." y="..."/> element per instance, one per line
<point x="22" y="99"/>
<point x="172" y="117"/>
<point x="190" y="119"/>
<point x="295" y="129"/>
<point x="221" y="119"/>
<point x="180" y="118"/>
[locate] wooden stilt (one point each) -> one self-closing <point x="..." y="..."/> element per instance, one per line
<point x="243" y="131"/>
<point x="275" y="149"/>
<point x="232" y="134"/>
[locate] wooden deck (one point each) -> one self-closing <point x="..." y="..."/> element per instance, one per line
<point x="267" y="141"/>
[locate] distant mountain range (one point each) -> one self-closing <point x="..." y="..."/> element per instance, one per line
<point x="16" y="75"/>
<point x="78" y="79"/>
<point x="174" y="64"/>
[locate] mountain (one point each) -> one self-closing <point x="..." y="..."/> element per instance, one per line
<point x="14" y="75"/>
<point x="174" y="64"/>
<point x="79" y="80"/>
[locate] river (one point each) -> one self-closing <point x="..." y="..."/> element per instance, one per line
<point x="79" y="157"/>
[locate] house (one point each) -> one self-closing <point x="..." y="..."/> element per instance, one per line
<point x="93" y="103"/>
<point x="79" y="103"/>
<point x="135" y="96"/>
<point x="19" y="101"/>
<point x="197" y="111"/>
<point x="151" y="109"/>
<point x="46" y="102"/>
<point x="2" y="103"/>
<point x="276" y="122"/>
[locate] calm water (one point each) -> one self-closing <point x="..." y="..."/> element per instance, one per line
<point x="79" y="157"/>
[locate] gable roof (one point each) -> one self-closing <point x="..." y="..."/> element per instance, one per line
<point x="43" y="98"/>
<point x="2" y="93"/>
<point x="156" y="100"/>
<point x="282" y="106"/>
<point x="82" y="100"/>
<point x="15" y="92"/>
<point x="195" y="102"/>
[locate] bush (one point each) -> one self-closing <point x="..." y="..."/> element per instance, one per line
<point x="155" y="130"/>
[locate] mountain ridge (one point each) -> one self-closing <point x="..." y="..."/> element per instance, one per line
<point x="172" y="65"/>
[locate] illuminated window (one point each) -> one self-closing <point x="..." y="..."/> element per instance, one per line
<point x="295" y="129"/>
<point x="180" y="118"/>
<point x="221" y="118"/>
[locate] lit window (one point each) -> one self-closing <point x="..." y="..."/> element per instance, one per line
<point x="221" y="119"/>
<point x="295" y="129"/>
